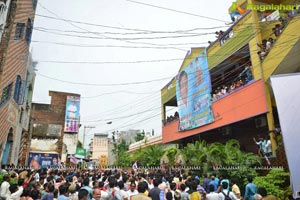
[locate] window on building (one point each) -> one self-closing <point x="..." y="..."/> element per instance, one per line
<point x="6" y="92"/>
<point x="28" y="31"/>
<point x="18" y="89"/>
<point x="19" y="31"/>
<point x="21" y="115"/>
<point x="34" y="3"/>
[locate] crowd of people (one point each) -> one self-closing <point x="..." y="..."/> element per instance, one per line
<point x="221" y="36"/>
<point x="244" y="77"/>
<point x="265" y="47"/>
<point x="268" y="43"/>
<point x="117" y="184"/>
<point x="171" y="118"/>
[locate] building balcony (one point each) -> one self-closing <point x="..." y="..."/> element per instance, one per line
<point x="283" y="57"/>
<point x="245" y="102"/>
<point x="145" y="142"/>
<point x="234" y="38"/>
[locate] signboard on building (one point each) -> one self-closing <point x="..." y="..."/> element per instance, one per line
<point x="39" y="160"/>
<point x="193" y="92"/>
<point x="70" y="140"/>
<point x="288" y="106"/>
<point x="273" y="16"/>
<point x="44" y="145"/>
<point x="46" y="130"/>
<point x="72" y="114"/>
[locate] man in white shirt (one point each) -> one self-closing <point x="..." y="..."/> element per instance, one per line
<point x="132" y="191"/>
<point x="4" y="189"/>
<point x="72" y="109"/>
<point x="222" y="195"/>
<point x="212" y="194"/>
<point x="268" y="147"/>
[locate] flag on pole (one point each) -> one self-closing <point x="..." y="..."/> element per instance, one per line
<point x="135" y="166"/>
<point x="73" y="159"/>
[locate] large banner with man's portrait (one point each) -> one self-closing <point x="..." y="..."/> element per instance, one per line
<point x="38" y="160"/>
<point x="193" y="92"/>
<point x="72" y="114"/>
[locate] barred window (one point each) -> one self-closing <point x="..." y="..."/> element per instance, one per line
<point x="6" y="92"/>
<point x="34" y="3"/>
<point x="28" y="31"/>
<point x="18" y="89"/>
<point x="19" y="31"/>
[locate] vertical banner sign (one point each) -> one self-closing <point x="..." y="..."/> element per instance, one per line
<point x="288" y="106"/>
<point x="193" y="92"/>
<point x="72" y="114"/>
<point x="80" y="152"/>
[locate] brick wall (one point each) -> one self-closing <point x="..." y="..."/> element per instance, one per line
<point x="13" y="61"/>
<point x="53" y="113"/>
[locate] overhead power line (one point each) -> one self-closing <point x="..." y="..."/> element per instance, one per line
<point x="111" y="84"/>
<point x="122" y="28"/>
<point x="72" y="24"/>
<point x="187" y="31"/>
<point x="178" y="11"/>
<point x="128" y="38"/>
<point x="105" y="46"/>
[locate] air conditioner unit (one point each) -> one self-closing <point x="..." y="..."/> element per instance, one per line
<point x="226" y="130"/>
<point x="260" y="122"/>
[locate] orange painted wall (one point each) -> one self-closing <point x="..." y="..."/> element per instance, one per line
<point x="245" y="102"/>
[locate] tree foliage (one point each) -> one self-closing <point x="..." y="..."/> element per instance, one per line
<point x="226" y="159"/>
<point x="140" y="136"/>
<point x="276" y="182"/>
<point x="208" y="158"/>
<point x="120" y="150"/>
<point x="149" y="156"/>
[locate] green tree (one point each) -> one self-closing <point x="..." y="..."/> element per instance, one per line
<point x="276" y="183"/>
<point x="171" y="154"/>
<point x="199" y="154"/>
<point x="217" y="157"/>
<point x="237" y="164"/>
<point x="120" y="150"/>
<point x="153" y="154"/>
<point x="138" y="155"/>
<point x="148" y="156"/>
<point x="140" y="136"/>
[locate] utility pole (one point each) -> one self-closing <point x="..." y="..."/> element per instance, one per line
<point x="85" y="127"/>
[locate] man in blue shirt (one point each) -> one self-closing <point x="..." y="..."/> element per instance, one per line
<point x="214" y="183"/>
<point x="86" y="186"/>
<point x="250" y="189"/>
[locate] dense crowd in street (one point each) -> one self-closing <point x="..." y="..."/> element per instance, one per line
<point x="117" y="184"/>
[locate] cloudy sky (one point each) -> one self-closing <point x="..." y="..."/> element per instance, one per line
<point x="118" y="54"/>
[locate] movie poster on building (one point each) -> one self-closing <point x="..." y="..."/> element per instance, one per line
<point x="72" y="114"/>
<point x="42" y="160"/>
<point x="193" y="92"/>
